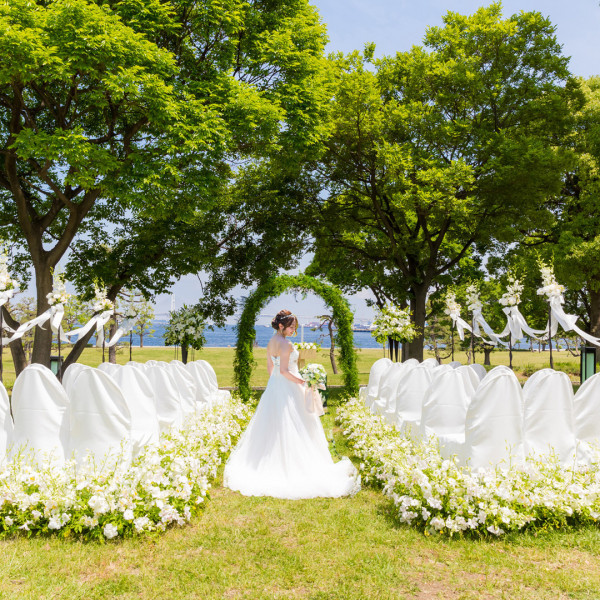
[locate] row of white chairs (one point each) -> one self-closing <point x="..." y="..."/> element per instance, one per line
<point x="492" y="420"/>
<point x="109" y="410"/>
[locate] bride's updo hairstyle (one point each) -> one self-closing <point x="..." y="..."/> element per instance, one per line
<point x="285" y="318"/>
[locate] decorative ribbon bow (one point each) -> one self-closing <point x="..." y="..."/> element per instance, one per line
<point x="54" y="314"/>
<point x="516" y="325"/>
<point x="98" y="321"/>
<point x="126" y="326"/>
<point x="567" y="322"/>
<point x="314" y="402"/>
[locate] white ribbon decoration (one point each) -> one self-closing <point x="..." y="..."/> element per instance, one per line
<point x="6" y="295"/>
<point x="567" y="322"/>
<point x="54" y="314"/>
<point x="479" y="320"/>
<point x="460" y="324"/>
<point x="125" y="327"/>
<point x="98" y="321"/>
<point x="516" y="325"/>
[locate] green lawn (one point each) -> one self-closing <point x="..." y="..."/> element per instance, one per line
<point x="348" y="548"/>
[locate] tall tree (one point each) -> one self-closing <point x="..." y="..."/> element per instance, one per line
<point x="437" y="151"/>
<point x="125" y="125"/>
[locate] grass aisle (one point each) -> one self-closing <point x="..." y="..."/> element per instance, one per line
<point x="325" y="548"/>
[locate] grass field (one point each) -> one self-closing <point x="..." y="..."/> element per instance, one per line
<point x="525" y="362"/>
<point x="346" y="549"/>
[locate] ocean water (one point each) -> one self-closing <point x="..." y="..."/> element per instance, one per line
<point x="224" y="337"/>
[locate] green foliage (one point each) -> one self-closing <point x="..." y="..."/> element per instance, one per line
<point x="186" y="328"/>
<point x="244" y="359"/>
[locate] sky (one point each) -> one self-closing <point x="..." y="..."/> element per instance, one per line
<point x="396" y="25"/>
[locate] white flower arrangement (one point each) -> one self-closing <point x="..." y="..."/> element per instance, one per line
<point x="315" y="375"/>
<point x="550" y="287"/>
<point x="472" y="294"/>
<point x="6" y="281"/>
<point x="59" y="294"/>
<point x="130" y="312"/>
<point x="452" y="306"/>
<point x="393" y="322"/>
<point x="512" y="296"/>
<point x="440" y="497"/>
<point x="307" y="346"/>
<point x="186" y="328"/>
<point x="167" y="484"/>
<point x="101" y="302"/>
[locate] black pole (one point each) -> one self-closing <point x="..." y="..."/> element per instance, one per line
<point x="58" y="369"/>
<point x="453" y="342"/>
<point x="103" y="341"/>
<point x="391" y="345"/>
<point x="510" y="350"/>
<point x="550" y="335"/>
<point x="472" y="340"/>
<point x="130" y="344"/>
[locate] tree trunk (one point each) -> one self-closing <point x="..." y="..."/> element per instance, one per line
<point x="112" y="351"/>
<point x="42" y="341"/>
<point x="418" y="309"/>
<point x="184" y="354"/>
<point x="487" y="353"/>
<point x="141" y="338"/>
<point x="332" y="348"/>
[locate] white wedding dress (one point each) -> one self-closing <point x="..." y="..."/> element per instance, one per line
<point x="284" y="453"/>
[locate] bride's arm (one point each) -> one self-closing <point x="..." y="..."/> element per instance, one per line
<point x="269" y="363"/>
<point x="284" y="363"/>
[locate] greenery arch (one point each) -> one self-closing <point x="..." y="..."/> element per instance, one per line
<point x="244" y="358"/>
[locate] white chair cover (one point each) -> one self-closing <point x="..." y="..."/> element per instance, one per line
<point x="378" y="368"/>
<point x="100" y="419"/>
<point x="471" y="378"/>
<point x="387" y="388"/>
<point x="390" y="391"/>
<point x="6" y="423"/>
<point x="177" y="362"/>
<point x="499" y="369"/>
<point x="151" y="363"/>
<point x="166" y="398"/>
<point x="204" y="395"/>
<point x="70" y="375"/>
<point x="409" y="397"/>
<point x="109" y="367"/>
<point x="40" y="410"/>
<point x="586" y="408"/>
<point x="439" y="370"/>
<point x="455" y="364"/>
<point x="211" y="378"/>
<point x="493" y="425"/>
<point x="479" y="369"/>
<point x="432" y="363"/>
<point x="137" y="365"/>
<point x="548" y="415"/>
<point x="445" y="404"/>
<point x="139" y="395"/>
<point x="186" y="386"/>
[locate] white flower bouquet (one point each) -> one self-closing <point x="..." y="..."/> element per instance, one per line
<point x="186" y="328"/>
<point x="452" y="306"/>
<point x="315" y="376"/>
<point x="472" y="294"/>
<point x="550" y="287"/>
<point x="59" y="294"/>
<point x="512" y="296"/>
<point x="6" y="281"/>
<point x="393" y="322"/>
<point x="101" y="302"/>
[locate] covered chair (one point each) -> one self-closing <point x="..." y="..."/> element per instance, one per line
<point x="186" y="386"/>
<point x="389" y="392"/>
<point x="479" y="369"/>
<point x="493" y="424"/>
<point x="409" y="398"/>
<point x="166" y="397"/>
<point x="586" y="413"/>
<point x="100" y="419"/>
<point x="6" y="423"/>
<point x="40" y="411"/>
<point x="387" y="388"/>
<point x="204" y="394"/>
<point x="213" y="385"/>
<point x="71" y="373"/>
<point x="109" y="367"/>
<point x="445" y="404"/>
<point x="136" y="365"/>
<point x="139" y="395"/>
<point x="548" y="425"/>
<point x="432" y="363"/>
<point x="378" y="368"/>
<point x="471" y="378"/>
<point x="455" y="364"/>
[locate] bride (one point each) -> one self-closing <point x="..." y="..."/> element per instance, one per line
<point x="283" y="452"/>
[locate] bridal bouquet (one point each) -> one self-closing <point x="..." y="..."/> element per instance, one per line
<point x="316" y="378"/>
<point x="393" y="322"/>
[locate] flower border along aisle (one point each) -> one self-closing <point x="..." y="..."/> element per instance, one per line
<point x="167" y="484"/>
<point x="437" y="496"/>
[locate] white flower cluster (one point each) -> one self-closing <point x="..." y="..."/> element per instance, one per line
<point x="167" y="484"/>
<point x="6" y="281"/>
<point x="186" y="328"/>
<point x="315" y="375"/>
<point x="473" y="298"/>
<point x="452" y="306"/>
<point x="512" y="296"/>
<point x="438" y="496"/>
<point x="131" y="312"/>
<point x="59" y="294"/>
<point x="101" y="302"/>
<point x="307" y="346"/>
<point x="550" y="287"/>
<point x="393" y="322"/>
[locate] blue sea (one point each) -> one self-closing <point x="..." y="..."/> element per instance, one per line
<point x="224" y="337"/>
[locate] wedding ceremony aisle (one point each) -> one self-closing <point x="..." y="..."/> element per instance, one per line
<point x="348" y="548"/>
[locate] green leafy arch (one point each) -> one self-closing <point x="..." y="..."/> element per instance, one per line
<point x="331" y="295"/>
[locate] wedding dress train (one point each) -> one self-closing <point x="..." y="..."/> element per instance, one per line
<point x="284" y="453"/>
